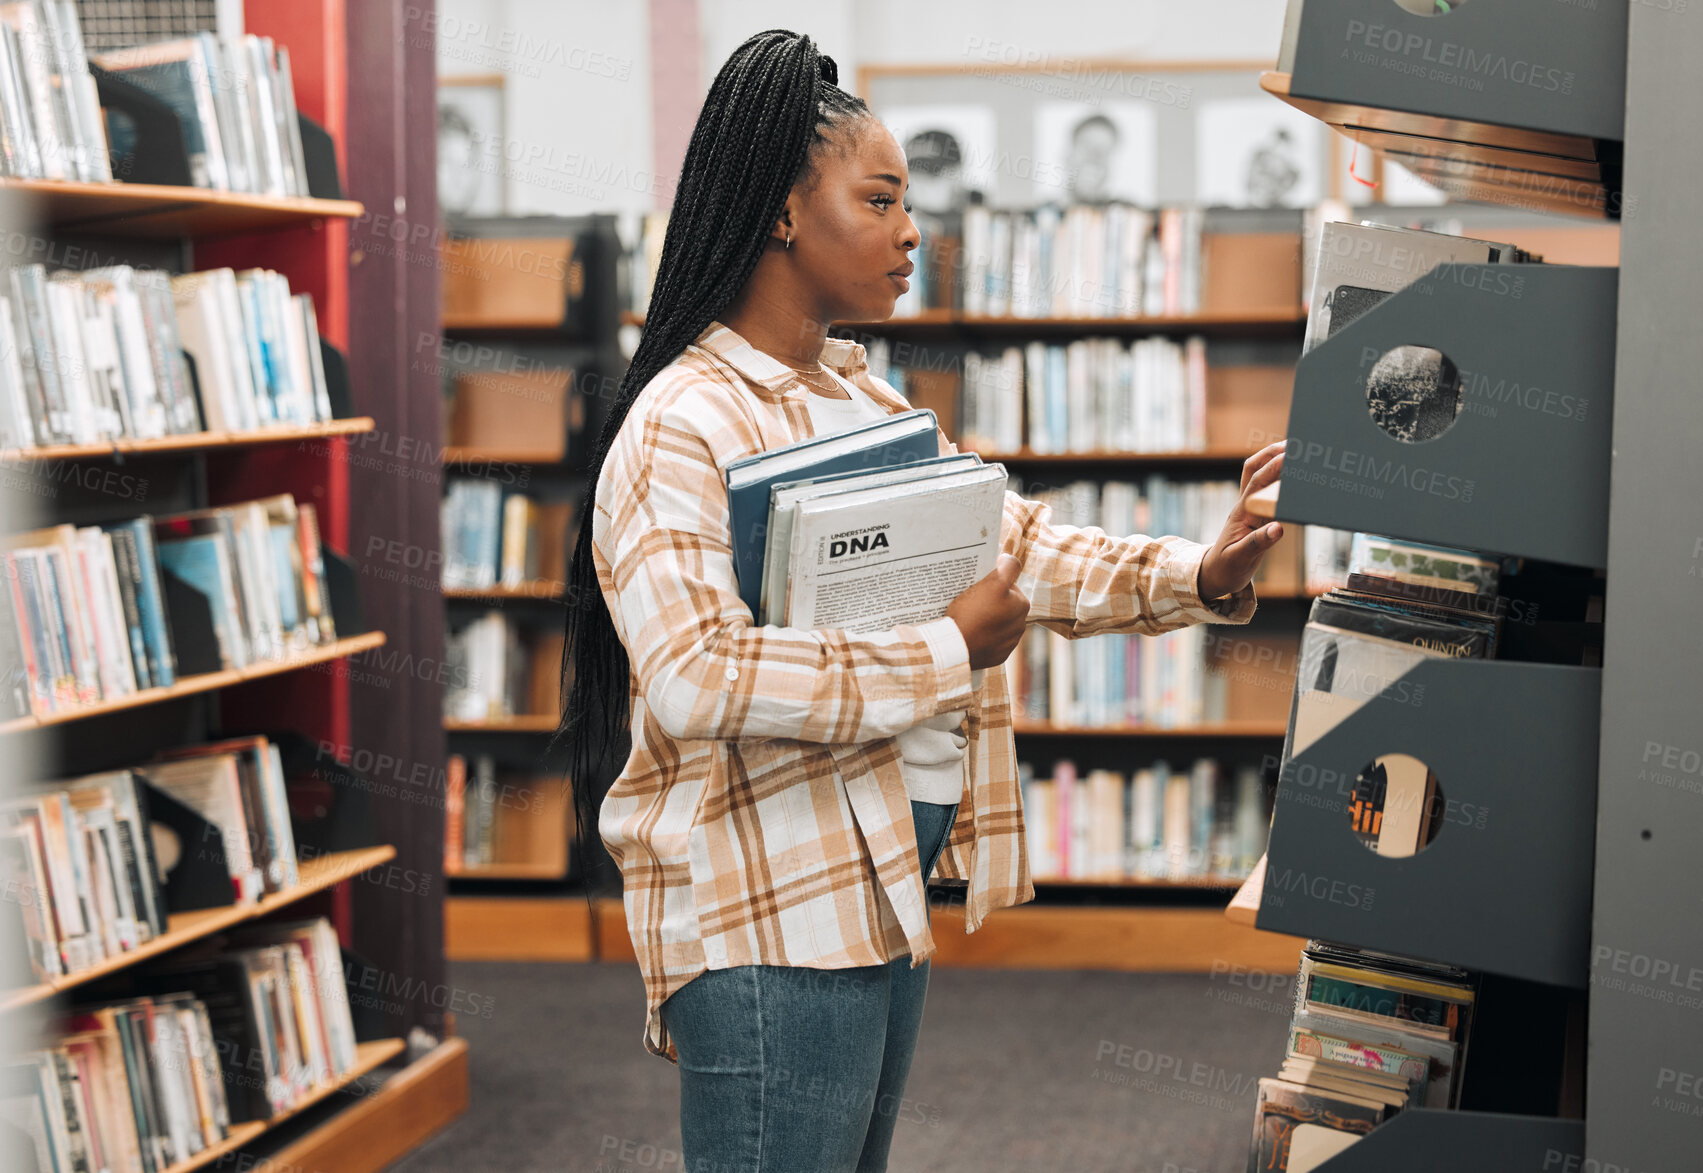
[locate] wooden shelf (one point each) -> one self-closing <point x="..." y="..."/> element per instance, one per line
<point x="525" y="723"/>
<point x="368" y="1057"/>
<point x="204" y="682"/>
<point x="519" y="928"/>
<point x="1475" y="160"/>
<point x="1190" y="884"/>
<point x="150" y="210"/>
<point x="189" y="442"/>
<point x="1274" y="729"/>
<point x="314" y="875"/>
<point x="1187" y="456"/>
<point x="512" y="871"/>
<point x="387" y="1122"/>
<point x="1275" y="319"/>
<point x="459" y="454"/>
<point x="535" y="589"/>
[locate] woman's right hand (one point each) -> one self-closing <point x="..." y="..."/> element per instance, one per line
<point x="992" y="614"/>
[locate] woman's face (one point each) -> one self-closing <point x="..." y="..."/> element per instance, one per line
<point x="850" y="231"/>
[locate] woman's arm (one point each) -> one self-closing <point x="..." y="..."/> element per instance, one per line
<point x="706" y="671"/>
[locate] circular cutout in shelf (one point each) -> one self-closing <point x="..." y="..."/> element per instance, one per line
<point x="1398" y="806"/>
<point x="1414" y="393"/>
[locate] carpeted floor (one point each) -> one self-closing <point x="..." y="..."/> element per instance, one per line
<point x="1020" y="1071"/>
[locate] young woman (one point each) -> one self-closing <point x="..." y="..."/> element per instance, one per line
<point x="788" y="792"/>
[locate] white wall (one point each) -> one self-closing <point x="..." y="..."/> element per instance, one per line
<point x="582" y="137"/>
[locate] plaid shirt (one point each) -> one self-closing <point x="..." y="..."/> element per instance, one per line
<point x="761" y="817"/>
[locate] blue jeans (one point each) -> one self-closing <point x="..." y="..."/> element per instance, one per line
<point x="786" y="1069"/>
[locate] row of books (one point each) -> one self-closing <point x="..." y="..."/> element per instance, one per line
<point x="492" y="538"/>
<point x="50" y="108"/>
<point x="498" y="668"/>
<point x="1154" y="823"/>
<point x="237" y="104"/>
<point x="96" y="613"/>
<point x="242" y="1032"/>
<point x="502" y="816"/>
<point x="1372" y="1035"/>
<point x="100" y="355"/>
<point x="83" y="851"/>
<point x="1111" y="260"/>
<point x="1090" y="395"/>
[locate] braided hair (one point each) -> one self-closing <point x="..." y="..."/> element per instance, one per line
<point x="774" y="103"/>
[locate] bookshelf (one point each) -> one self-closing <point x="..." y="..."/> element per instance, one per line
<point x="539" y="290"/>
<point x="1617" y="860"/>
<point x="405" y="1083"/>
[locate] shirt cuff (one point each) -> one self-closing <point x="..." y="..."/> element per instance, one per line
<point x="953" y="688"/>
<point x="1182" y="570"/>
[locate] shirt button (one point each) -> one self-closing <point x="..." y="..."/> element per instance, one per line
<point x="733" y="674"/>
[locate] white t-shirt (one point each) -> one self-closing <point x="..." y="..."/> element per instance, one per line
<point x="931" y="753"/>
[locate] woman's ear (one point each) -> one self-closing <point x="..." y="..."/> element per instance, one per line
<point x="785" y="228"/>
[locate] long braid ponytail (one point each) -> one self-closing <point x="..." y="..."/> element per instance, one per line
<point x="765" y="113"/>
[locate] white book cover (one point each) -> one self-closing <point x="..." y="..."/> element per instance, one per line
<point x="784" y="497"/>
<point x="209" y="339"/>
<point x="877" y="558"/>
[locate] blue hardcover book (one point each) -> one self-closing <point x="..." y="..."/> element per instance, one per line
<point x="900" y="438"/>
<point x="203" y="562"/>
<point x="150" y="604"/>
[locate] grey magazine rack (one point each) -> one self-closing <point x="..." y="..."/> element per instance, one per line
<point x="1523" y="469"/>
<point x="1644" y="950"/>
<point x="1513" y="747"/>
<point x="1535" y="64"/>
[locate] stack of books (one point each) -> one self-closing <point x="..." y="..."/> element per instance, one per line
<point x="1208" y="824"/>
<point x="496" y="668"/>
<point x="1372" y="1035"/>
<point x="495" y="539"/>
<point x="236" y="102"/>
<point x="92" y="356"/>
<point x="96" y="613"/>
<point x="1081" y="261"/>
<point x="862" y="530"/>
<point x="50" y="110"/>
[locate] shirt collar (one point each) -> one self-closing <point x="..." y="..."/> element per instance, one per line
<point x="770" y="373"/>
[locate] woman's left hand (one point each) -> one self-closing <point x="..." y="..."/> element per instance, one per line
<point x="1230" y="564"/>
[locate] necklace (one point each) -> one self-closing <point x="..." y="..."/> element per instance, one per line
<point x="831" y="385"/>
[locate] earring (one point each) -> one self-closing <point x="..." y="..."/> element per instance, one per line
<point x="789" y="240"/>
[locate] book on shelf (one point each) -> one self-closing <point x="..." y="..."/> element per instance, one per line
<point x="235" y="101"/>
<point x="492" y="538"/>
<point x="900" y="438"/>
<point x="497" y="817"/>
<point x="497" y="668"/>
<point x="1149" y="824"/>
<point x="98" y="613"/>
<point x="255" y="346"/>
<point x="1372" y="1034"/>
<point x="50" y="111"/>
